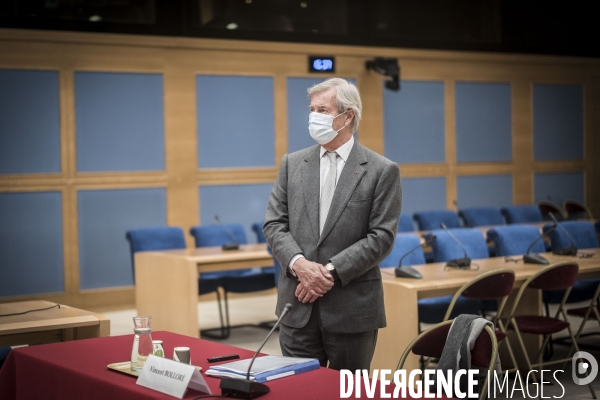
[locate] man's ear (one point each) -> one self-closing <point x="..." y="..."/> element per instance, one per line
<point x="350" y="117"/>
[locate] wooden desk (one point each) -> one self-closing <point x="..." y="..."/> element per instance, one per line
<point x="401" y="295"/>
<point x="48" y="326"/>
<point x="166" y="285"/>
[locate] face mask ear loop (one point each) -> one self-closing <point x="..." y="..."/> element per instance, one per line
<point x="338" y="116"/>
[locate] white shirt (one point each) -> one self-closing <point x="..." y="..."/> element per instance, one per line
<point x="343" y="152"/>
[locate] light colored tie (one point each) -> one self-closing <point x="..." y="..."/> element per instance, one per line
<point x="328" y="189"/>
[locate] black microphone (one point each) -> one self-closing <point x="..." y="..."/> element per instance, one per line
<point x="536" y="258"/>
<point x="233" y="245"/>
<point x="245" y="388"/>
<point x="462" y="263"/>
<point x="408" y="272"/>
<point x="565" y="251"/>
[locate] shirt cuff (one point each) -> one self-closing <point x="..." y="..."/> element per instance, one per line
<point x="291" y="264"/>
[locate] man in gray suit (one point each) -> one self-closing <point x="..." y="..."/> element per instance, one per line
<point x="332" y="217"/>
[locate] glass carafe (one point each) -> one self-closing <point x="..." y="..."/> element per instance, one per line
<point x="142" y="343"/>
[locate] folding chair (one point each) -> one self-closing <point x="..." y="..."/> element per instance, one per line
<point x="493" y="285"/>
<point x="559" y="276"/>
<point x="548" y="207"/>
<point x="576" y="210"/>
<point x="431" y="342"/>
<point x="591" y="311"/>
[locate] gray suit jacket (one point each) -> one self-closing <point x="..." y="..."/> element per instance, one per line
<point x="359" y="232"/>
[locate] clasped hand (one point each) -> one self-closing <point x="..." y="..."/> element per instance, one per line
<point x="315" y="280"/>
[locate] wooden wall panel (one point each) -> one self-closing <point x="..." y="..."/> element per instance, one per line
<point x="181" y="59"/>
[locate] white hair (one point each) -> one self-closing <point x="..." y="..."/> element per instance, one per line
<point x="347" y="97"/>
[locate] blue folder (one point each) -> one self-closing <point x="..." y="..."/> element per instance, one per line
<point x="262" y="372"/>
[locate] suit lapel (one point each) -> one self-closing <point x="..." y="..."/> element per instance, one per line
<point x="310" y="183"/>
<point x="351" y="175"/>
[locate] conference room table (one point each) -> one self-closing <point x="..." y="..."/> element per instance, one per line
<point x="401" y="296"/>
<point x="166" y="282"/>
<point x="78" y="370"/>
<point x="52" y="322"/>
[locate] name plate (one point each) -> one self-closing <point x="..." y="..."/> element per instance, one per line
<point x="171" y="377"/>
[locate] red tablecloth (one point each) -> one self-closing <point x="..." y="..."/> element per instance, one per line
<point x="77" y="370"/>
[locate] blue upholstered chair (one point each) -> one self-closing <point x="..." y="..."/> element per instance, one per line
<point x="446" y="249"/>
<point x="512" y="240"/>
<point x="430" y="220"/>
<point x="582" y="232"/>
<point x="257" y="229"/>
<point x="597" y="225"/>
<point x="260" y="238"/>
<point x="403" y="244"/>
<point x="584" y="237"/>
<point x="169" y="238"/>
<point x="237" y="281"/>
<point x="481" y="216"/>
<point x="521" y="214"/>
<point x="406" y="223"/>
<point x="432" y="310"/>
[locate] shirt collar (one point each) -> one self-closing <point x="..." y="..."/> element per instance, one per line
<point x="343" y="151"/>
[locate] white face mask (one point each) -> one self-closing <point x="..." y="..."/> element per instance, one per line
<point x="320" y="127"/>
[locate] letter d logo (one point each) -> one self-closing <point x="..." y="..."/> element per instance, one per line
<point x="589" y="367"/>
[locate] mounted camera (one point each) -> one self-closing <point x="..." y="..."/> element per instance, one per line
<point x="386" y="67"/>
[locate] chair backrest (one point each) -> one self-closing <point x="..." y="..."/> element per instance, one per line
<point x="481" y="216"/>
<point x="217" y="235"/>
<point x="549" y="207"/>
<point x="431" y="342"/>
<point x="430" y="220"/>
<point x="257" y="228"/>
<point x="446" y="249"/>
<point x="406" y="223"/>
<point x="403" y="244"/>
<point x="512" y="240"/>
<point x="492" y="285"/>
<point x="582" y="232"/>
<point x="576" y="209"/>
<point x="559" y="276"/>
<point x="597" y="225"/>
<point x="521" y="214"/>
<point x="158" y="238"/>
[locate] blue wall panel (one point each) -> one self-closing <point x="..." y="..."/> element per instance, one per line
<point x="29" y="122"/>
<point x="414" y="123"/>
<point x="243" y="204"/>
<point x="483" y="122"/>
<point x="558" y="187"/>
<point x="119" y="121"/>
<point x="236" y="121"/>
<point x="31" y="243"/>
<point x="423" y="194"/>
<point x="558" y="122"/>
<point x="484" y="191"/>
<point x="297" y="112"/>
<point x="104" y="217"/>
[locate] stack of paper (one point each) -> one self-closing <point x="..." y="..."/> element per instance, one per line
<point x="265" y="368"/>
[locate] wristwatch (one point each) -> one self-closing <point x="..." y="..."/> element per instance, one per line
<point x="331" y="268"/>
